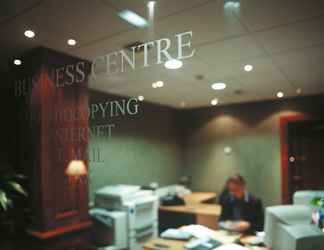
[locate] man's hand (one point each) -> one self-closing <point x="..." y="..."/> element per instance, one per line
<point x="243" y="226"/>
<point x="235" y="226"/>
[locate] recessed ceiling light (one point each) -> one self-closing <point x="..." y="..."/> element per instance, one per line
<point x="173" y="64"/>
<point x="133" y="18"/>
<point x="214" y="102"/>
<point x="29" y="34"/>
<point x="140" y="98"/>
<point x="71" y="42"/>
<point x="248" y="68"/>
<point x="17" y="62"/>
<point x="298" y="91"/>
<point x="280" y="94"/>
<point x="159" y="84"/>
<point x="218" y="86"/>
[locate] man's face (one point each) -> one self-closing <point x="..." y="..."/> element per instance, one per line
<point x="237" y="190"/>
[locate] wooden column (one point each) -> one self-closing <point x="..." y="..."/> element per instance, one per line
<point x="52" y="89"/>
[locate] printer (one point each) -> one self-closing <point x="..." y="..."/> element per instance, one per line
<point x="139" y="207"/>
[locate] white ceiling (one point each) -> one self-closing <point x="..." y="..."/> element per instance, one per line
<point x="282" y="39"/>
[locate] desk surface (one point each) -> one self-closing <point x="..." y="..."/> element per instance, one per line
<point x="180" y="245"/>
<point x="199" y="197"/>
<point x="199" y="209"/>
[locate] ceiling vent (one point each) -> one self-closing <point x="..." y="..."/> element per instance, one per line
<point x="138" y="49"/>
<point x="199" y="77"/>
<point x="238" y="92"/>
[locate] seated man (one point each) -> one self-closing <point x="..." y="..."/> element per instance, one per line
<point x="241" y="211"/>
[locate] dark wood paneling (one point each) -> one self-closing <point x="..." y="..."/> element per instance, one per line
<point x="57" y="200"/>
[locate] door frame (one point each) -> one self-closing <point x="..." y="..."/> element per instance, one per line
<point x="284" y="121"/>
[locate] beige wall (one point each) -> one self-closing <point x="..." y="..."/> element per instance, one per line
<point x="162" y="144"/>
<point x="142" y="149"/>
<point x="252" y="132"/>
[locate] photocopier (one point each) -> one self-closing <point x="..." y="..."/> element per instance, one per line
<point x="130" y="215"/>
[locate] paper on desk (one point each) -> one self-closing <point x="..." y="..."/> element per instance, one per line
<point x="198" y="231"/>
<point x="226" y="237"/>
<point x="231" y="247"/>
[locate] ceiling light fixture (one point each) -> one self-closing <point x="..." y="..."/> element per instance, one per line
<point x="280" y="94"/>
<point x="218" y="86"/>
<point x="17" y="62"/>
<point x="29" y="34"/>
<point x="248" y="68"/>
<point x="71" y="42"/>
<point x="133" y="18"/>
<point x="214" y="102"/>
<point x="140" y="98"/>
<point x="159" y="84"/>
<point x="173" y="64"/>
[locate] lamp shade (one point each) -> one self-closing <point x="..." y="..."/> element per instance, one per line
<point x="76" y="168"/>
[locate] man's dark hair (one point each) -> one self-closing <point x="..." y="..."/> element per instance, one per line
<point x="237" y="179"/>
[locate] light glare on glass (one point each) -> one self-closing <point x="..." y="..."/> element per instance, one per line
<point x="218" y="86"/>
<point x="151" y="4"/>
<point x="173" y="64"/>
<point x="232" y="4"/>
<point x="133" y="18"/>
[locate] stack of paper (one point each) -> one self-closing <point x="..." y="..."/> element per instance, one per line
<point x="231" y="247"/>
<point x="199" y="232"/>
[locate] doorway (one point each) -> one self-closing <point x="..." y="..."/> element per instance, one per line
<point x="305" y="151"/>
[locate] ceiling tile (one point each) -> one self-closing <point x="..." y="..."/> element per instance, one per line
<point x="265" y="80"/>
<point x="305" y="68"/>
<point x="162" y="8"/>
<point x="293" y="36"/>
<point x="10" y="9"/>
<point x="264" y="14"/>
<point x="231" y="50"/>
<point x="208" y="23"/>
<point x="115" y="43"/>
<point x="55" y="22"/>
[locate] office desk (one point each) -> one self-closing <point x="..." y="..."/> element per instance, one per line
<point x="196" y="213"/>
<point x="199" y="197"/>
<point x="199" y="208"/>
<point x="180" y="245"/>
